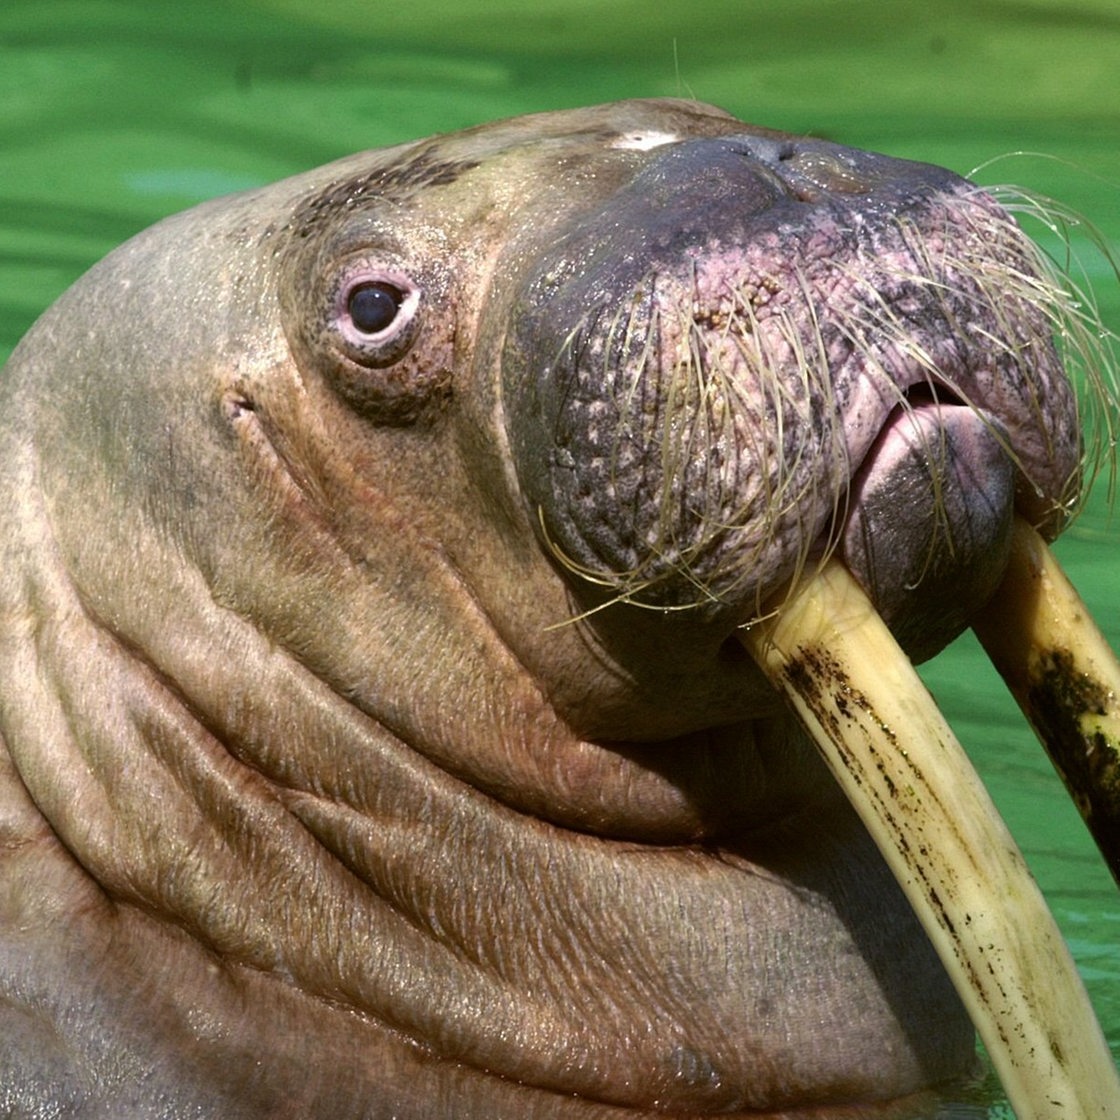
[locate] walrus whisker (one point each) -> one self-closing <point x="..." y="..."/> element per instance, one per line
<point x="699" y="389"/>
<point x="801" y="385"/>
<point x="939" y="380"/>
<point x="779" y="390"/>
<point x="682" y="414"/>
<point x="1066" y="296"/>
<point x="620" y="336"/>
<point x="770" y="478"/>
<point x="707" y="437"/>
<point x="644" y="326"/>
<point x="624" y="584"/>
<point x="881" y="319"/>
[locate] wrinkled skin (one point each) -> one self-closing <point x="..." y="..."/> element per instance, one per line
<point x="322" y="795"/>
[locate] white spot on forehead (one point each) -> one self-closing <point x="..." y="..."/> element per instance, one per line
<point x="643" y="141"/>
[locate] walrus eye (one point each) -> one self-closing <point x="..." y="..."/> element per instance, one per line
<point x="375" y="313"/>
<point x="353" y="320"/>
<point x="373" y="307"/>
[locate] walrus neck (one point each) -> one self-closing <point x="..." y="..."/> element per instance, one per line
<point x="275" y="847"/>
<point x="246" y="801"/>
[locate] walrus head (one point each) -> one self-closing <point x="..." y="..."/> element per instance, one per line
<point x="390" y="534"/>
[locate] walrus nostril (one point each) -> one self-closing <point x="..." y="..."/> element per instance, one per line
<point x="766" y="149"/>
<point x="807" y="168"/>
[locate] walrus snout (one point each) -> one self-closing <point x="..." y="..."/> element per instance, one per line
<point x="703" y="361"/>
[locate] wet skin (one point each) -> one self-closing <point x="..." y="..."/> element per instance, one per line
<point x="377" y="742"/>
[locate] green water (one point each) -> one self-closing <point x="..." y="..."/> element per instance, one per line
<point x="114" y="114"/>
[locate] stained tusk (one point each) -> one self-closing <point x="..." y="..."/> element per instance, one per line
<point x="912" y="784"/>
<point x="1064" y="676"/>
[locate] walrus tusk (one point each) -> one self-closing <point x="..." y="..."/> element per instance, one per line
<point x="912" y="784"/>
<point x="1064" y="676"/>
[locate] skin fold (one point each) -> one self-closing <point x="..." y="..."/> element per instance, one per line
<point x="376" y="742"/>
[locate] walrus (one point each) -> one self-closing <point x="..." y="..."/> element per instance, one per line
<point x="388" y="563"/>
